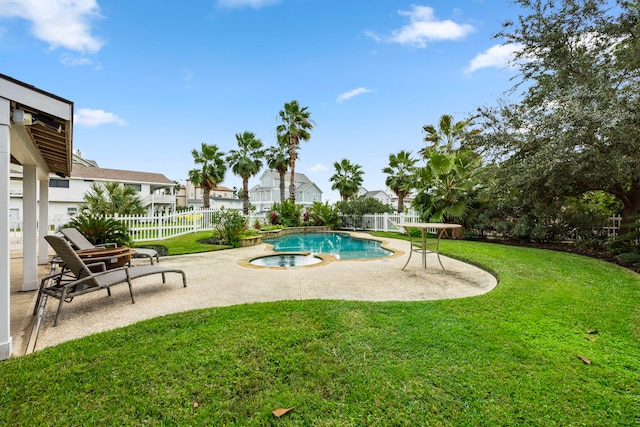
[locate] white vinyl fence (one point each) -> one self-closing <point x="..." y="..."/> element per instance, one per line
<point x="162" y="226"/>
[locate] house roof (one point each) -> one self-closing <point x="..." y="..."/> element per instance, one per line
<point x="298" y="177"/>
<point x="103" y="174"/>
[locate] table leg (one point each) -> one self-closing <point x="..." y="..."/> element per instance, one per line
<point x="424" y="249"/>
<point x="410" y="249"/>
<point x="438" y="250"/>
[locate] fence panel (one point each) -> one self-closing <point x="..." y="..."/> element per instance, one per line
<point x="146" y="228"/>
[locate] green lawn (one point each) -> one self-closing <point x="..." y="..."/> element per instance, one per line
<point x="184" y="244"/>
<point x="510" y="357"/>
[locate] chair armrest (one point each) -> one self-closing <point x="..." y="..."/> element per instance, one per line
<point x="100" y="264"/>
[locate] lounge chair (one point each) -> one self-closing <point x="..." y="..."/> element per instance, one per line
<point x="76" y="278"/>
<point x="81" y="243"/>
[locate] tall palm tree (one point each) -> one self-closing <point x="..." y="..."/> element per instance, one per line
<point x="400" y="175"/>
<point x="347" y="179"/>
<point x="111" y="198"/>
<point x="245" y="162"/>
<point x="278" y="159"/>
<point x="446" y="135"/>
<point x="296" y="122"/>
<point x="212" y="171"/>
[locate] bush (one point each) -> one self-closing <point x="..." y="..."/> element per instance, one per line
<point x="229" y="224"/>
<point x="287" y="213"/>
<point x="100" y="230"/>
<point x="325" y="214"/>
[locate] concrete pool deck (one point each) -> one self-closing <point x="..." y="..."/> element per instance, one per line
<point x="223" y="278"/>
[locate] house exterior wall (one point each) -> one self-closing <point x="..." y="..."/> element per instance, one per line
<point x="264" y="195"/>
<point x="65" y="201"/>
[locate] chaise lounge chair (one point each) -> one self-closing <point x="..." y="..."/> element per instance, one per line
<point x="81" y="243"/>
<point x="76" y="278"/>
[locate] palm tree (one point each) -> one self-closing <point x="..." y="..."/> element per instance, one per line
<point x="245" y="162"/>
<point x="400" y="175"/>
<point x="446" y="135"/>
<point x="278" y="159"/>
<point x="212" y="171"/>
<point x="112" y="198"/>
<point x="296" y="122"/>
<point x="447" y="185"/>
<point x="347" y="179"/>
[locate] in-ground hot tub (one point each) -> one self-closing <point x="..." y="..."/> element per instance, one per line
<point x="286" y="260"/>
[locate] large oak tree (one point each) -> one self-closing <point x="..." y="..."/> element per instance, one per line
<point x="576" y="127"/>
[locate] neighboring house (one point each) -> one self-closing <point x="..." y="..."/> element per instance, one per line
<point x="65" y="194"/>
<point x="265" y="194"/>
<point x="220" y="197"/>
<point x="382" y="196"/>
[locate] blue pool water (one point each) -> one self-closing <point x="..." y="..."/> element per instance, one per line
<point x="339" y="245"/>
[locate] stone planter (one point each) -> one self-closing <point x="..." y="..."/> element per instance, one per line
<point x="271" y="233"/>
<point x="245" y="242"/>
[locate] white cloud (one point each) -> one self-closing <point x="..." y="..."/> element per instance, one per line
<point x="318" y="167"/>
<point x="74" y="61"/>
<point x="90" y="117"/>
<point x="423" y="28"/>
<point x="256" y="4"/>
<point x="355" y="92"/>
<point x="497" y="56"/>
<point x="60" y="23"/>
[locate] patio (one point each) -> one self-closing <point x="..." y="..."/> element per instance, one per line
<point x="220" y="279"/>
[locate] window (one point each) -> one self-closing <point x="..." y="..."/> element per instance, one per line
<point x="58" y="183"/>
<point x="137" y="187"/>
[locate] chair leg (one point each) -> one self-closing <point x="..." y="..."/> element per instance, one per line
<point x="164" y="279"/>
<point x="184" y="279"/>
<point x="62" y="297"/>
<point x="133" y="301"/>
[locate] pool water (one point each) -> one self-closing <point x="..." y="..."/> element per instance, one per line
<point x="340" y="245"/>
<point x="286" y="260"/>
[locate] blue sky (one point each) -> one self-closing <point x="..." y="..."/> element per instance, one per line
<point x="151" y="80"/>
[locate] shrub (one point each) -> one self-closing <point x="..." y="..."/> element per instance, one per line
<point x="229" y="224"/>
<point x="287" y="213"/>
<point x="325" y="214"/>
<point x="249" y="232"/>
<point x="100" y="230"/>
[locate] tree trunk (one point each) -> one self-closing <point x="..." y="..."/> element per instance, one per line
<point x="292" y="181"/>
<point x="630" y="211"/>
<point x="400" y="202"/>
<point x="245" y="195"/>
<point x="206" y="195"/>
<point x="282" y="185"/>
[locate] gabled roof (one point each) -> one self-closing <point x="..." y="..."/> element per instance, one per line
<point x="103" y="174"/>
<point x="306" y="186"/>
<point x="376" y="193"/>
<point x="298" y="177"/>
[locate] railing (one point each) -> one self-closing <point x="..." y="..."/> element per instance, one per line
<point x="614" y="226"/>
<point x="378" y="222"/>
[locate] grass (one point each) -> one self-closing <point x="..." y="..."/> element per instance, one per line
<point x="184" y="244"/>
<point x="509" y="357"/>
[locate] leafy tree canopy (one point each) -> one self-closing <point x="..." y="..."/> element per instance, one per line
<point x="577" y="126"/>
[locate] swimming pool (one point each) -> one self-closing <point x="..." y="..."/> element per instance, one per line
<point x="339" y="245"/>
